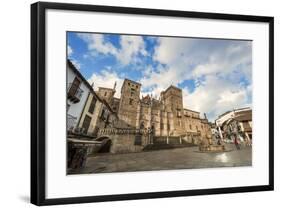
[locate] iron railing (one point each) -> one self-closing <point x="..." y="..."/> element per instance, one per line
<point x="71" y="122"/>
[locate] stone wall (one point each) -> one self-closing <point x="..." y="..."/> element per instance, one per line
<point x="126" y="143"/>
<point x="125" y="140"/>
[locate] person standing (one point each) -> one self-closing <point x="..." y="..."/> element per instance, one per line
<point x="236" y="142"/>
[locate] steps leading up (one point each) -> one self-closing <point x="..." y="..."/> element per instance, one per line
<point x="161" y="143"/>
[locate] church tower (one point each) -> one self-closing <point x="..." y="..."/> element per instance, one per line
<point x="173" y="102"/>
<point x="129" y="102"/>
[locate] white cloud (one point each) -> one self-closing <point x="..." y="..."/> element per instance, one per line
<point x="203" y="56"/>
<point x="69" y="50"/>
<point x="130" y="47"/>
<point x="217" y="68"/>
<point x="208" y="68"/>
<point x="148" y="70"/>
<point x="216" y="96"/>
<point x="96" y="42"/>
<point x="213" y="96"/>
<point x="170" y="50"/>
<point x="156" y="80"/>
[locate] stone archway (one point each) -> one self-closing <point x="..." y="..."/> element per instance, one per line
<point x="107" y="143"/>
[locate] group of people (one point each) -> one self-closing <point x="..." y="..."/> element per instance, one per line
<point x="237" y="142"/>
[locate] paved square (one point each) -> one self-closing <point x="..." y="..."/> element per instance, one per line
<point x="179" y="158"/>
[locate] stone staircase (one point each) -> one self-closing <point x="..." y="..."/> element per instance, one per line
<point x="160" y="143"/>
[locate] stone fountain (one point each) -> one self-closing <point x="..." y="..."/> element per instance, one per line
<point x="207" y="145"/>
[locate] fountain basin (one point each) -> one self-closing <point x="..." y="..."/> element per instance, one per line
<point x="212" y="148"/>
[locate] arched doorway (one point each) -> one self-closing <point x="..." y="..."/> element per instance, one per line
<point x="152" y="134"/>
<point x="106" y="144"/>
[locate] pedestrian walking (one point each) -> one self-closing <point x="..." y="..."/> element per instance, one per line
<point x="236" y="142"/>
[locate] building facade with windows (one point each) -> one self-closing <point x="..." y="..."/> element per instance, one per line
<point x="165" y="116"/>
<point x="87" y="110"/>
<point x="78" y="90"/>
<point x="131" y="122"/>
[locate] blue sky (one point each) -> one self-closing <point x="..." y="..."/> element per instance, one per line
<point x="215" y="75"/>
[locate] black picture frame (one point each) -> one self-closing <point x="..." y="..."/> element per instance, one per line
<point x="38" y="102"/>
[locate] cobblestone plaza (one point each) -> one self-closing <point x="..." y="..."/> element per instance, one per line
<point x="179" y="158"/>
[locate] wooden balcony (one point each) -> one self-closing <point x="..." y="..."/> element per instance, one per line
<point x="74" y="92"/>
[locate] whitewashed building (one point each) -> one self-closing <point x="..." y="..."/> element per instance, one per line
<point x="78" y="90"/>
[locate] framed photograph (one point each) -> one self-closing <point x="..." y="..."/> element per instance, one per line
<point x="134" y="103"/>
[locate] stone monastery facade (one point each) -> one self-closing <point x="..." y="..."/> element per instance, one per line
<point x="165" y="116"/>
<point x="130" y="123"/>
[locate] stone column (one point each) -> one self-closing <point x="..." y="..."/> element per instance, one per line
<point x="138" y="115"/>
<point x="248" y="139"/>
<point x="220" y="132"/>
